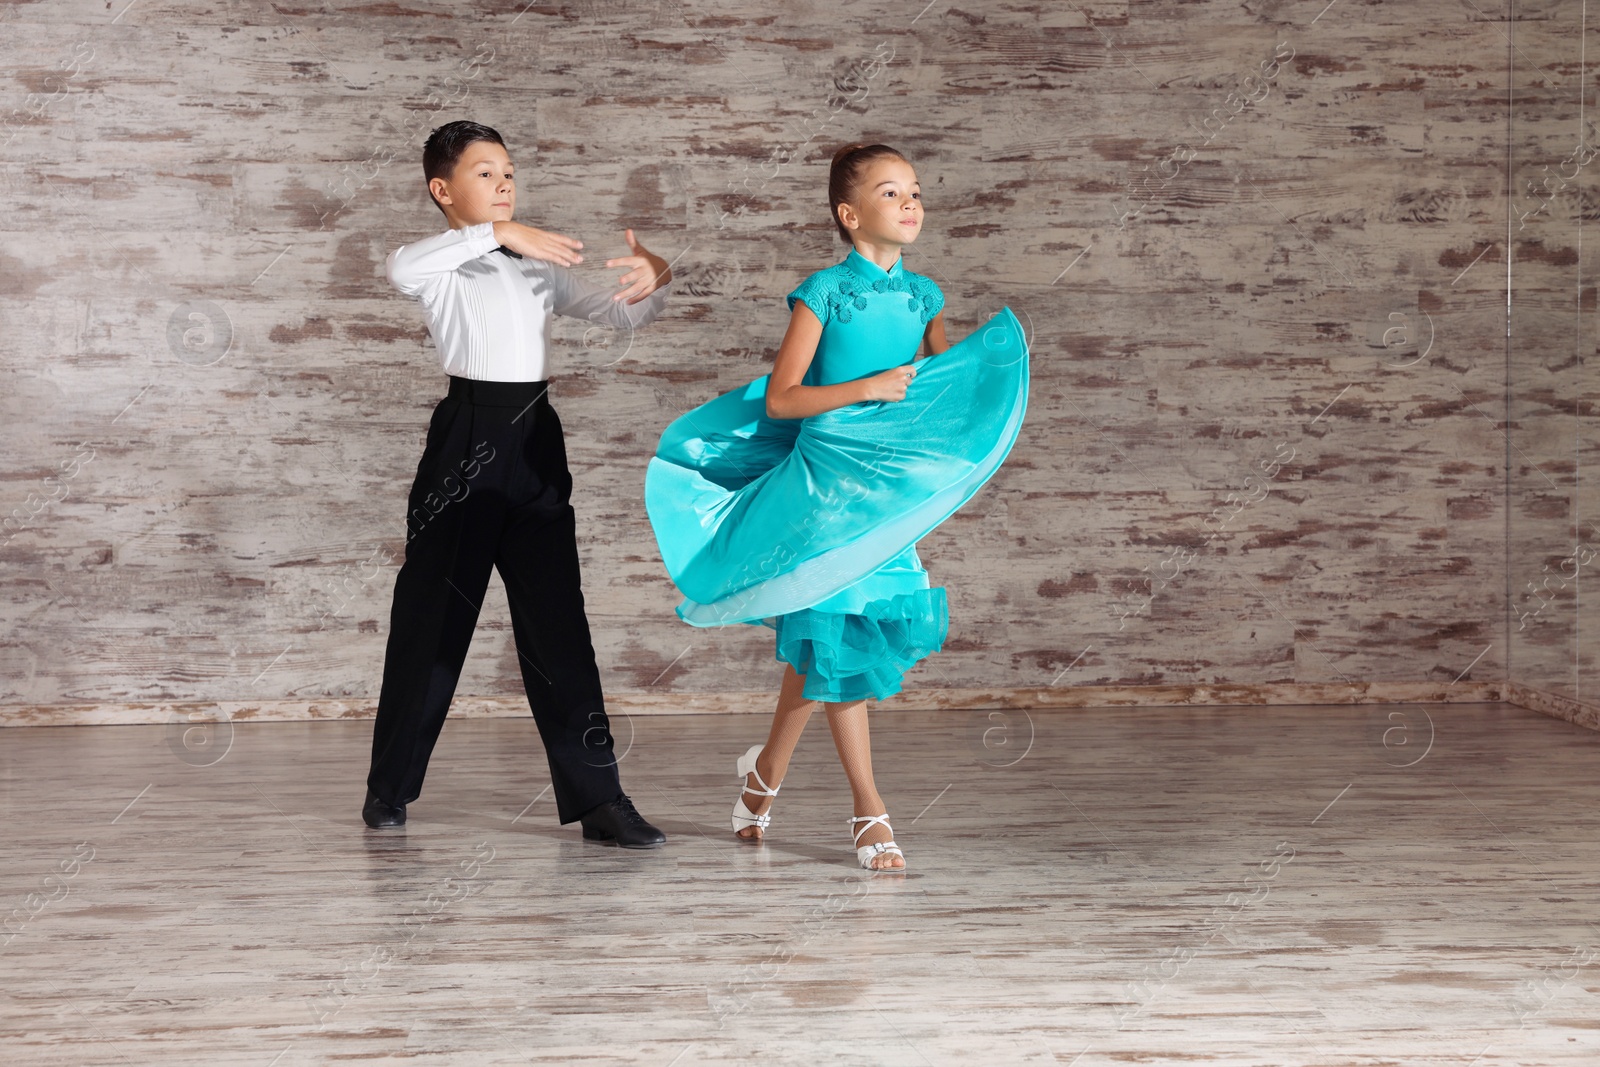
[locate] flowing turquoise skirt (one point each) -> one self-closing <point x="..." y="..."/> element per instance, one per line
<point x="809" y="526"/>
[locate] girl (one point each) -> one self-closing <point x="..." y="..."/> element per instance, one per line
<point x="796" y="501"/>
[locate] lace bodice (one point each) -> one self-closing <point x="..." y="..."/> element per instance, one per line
<point x="837" y="292"/>
<point x="872" y="319"/>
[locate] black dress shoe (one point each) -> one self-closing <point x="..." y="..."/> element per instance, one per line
<point x="377" y="814"/>
<point x="619" y="821"/>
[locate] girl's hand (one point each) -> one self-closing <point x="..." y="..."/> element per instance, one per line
<point x="538" y="244"/>
<point x="650" y="272"/>
<point x="890" y="384"/>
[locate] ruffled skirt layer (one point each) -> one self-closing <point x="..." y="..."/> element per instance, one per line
<point x="856" y="656"/>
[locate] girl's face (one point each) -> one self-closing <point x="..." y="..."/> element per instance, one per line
<point x="482" y="188"/>
<point x="887" y="207"/>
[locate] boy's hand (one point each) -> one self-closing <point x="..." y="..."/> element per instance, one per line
<point x="650" y="272"/>
<point x="538" y="244"/>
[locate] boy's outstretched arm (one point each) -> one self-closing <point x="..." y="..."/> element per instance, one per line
<point x="650" y="278"/>
<point x="648" y="272"/>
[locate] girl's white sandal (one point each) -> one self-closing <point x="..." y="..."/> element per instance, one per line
<point x="865" y="853"/>
<point x="742" y="816"/>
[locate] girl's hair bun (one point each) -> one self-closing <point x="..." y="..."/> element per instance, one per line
<point x="845" y="150"/>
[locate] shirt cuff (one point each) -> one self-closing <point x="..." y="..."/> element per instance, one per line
<point x="479" y="238"/>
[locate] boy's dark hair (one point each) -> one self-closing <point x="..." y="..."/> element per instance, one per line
<point x="445" y="144"/>
<point x="849" y="166"/>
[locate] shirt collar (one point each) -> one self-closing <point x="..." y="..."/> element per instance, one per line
<point x="870" y="270"/>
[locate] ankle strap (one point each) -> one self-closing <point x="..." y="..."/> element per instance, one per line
<point x="869" y="820"/>
<point x="765" y="790"/>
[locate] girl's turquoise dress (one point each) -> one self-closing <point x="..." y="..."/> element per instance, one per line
<point x="809" y="526"/>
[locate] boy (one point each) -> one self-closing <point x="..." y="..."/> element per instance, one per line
<point x="492" y="489"/>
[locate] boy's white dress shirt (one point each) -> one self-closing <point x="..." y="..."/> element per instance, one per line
<point x="490" y="313"/>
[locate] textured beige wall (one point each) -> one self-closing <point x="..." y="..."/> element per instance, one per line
<point x="214" y="402"/>
<point x="1553" y="539"/>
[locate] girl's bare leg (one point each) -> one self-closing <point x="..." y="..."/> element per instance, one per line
<point x="790" y="719"/>
<point x="849" y="725"/>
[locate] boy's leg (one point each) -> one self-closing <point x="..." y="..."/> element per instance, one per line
<point x="538" y="561"/>
<point x="452" y="527"/>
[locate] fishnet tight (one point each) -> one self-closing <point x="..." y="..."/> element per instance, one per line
<point x="848" y="723"/>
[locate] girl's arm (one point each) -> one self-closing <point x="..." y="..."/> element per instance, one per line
<point x="788" y="399"/>
<point x="933" y="341"/>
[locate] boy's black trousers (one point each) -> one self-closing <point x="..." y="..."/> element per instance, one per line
<point x="492" y="490"/>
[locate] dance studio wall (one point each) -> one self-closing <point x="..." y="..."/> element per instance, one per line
<point x="1261" y="250"/>
<point x="1553" y="539"/>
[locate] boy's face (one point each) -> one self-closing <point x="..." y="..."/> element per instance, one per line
<point x="480" y="189"/>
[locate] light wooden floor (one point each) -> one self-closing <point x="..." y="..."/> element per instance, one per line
<point x="1269" y="886"/>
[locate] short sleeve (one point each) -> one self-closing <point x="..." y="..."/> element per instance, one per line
<point x="814" y="291"/>
<point x="929" y="297"/>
